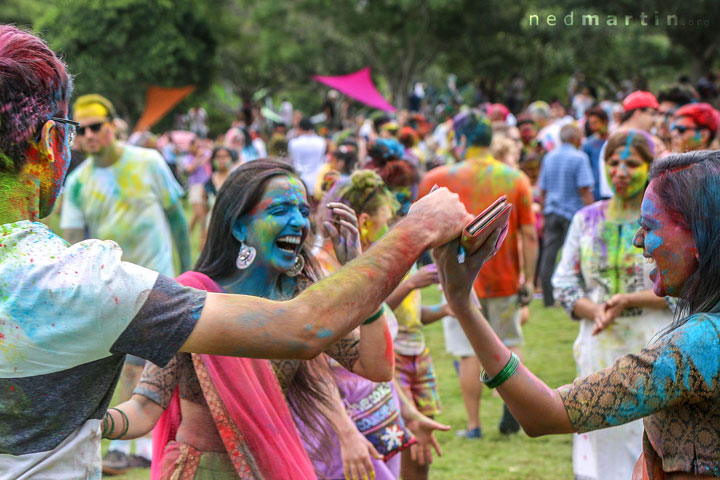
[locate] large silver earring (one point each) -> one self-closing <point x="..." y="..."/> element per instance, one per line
<point x="245" y="257"/>
<point x="297" y="268"/>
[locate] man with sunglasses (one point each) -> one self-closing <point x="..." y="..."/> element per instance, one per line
<point x="69" y="314"/>
<point x="126" y="194"/>
<point x="694" y="127"/>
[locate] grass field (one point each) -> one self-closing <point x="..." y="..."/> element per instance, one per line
<point x="548" y="353"/>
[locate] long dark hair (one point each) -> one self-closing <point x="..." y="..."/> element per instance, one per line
<point x="306" y="391"/>
<point x="688" y="185"/>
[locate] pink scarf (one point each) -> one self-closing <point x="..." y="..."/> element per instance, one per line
<point x="254" y="420"/>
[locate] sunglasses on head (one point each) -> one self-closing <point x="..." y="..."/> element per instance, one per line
<point x="95" y="127"/>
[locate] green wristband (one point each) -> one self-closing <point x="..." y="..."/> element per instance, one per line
<point x="127" y="423"/>
<point x="377" y="315"/>
<point x="507" y="372"/>
<point x="108" y="427"/>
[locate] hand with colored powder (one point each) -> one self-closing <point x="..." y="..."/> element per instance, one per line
<point x="344" y="232"/>
<point x="425" y="276"/>
<point x="439" y="217"/>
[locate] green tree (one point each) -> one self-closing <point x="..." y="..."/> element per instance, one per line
<point x="120" y="47"/>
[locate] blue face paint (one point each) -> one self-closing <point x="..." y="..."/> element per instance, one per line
<point x="278" y="225"/>
<point x="626" y="153"/>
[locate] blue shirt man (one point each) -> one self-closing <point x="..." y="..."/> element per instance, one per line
<point x="566" y="182"/>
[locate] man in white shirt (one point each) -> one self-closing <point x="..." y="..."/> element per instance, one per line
<point x="307" y="152"/>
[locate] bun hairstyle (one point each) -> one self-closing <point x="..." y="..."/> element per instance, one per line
<point x="366" y="193"/>
<point x="386" y="159"/>
<point x="639" y="140"/>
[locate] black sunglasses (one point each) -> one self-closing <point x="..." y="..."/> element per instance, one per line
<point x="70" y="125"/>
<point x="682" y="128"/>
<point x="95" y="127"/>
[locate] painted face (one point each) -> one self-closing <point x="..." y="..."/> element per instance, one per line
<point x="670" y="246"/>
<point x="528" y="132"/>
<point x="222" y="161"/>
<point x="685" y="135"/>
<point x="95" y="134"/>
<point x="278" y="224"/>
<point x="50" y="174"/>
<point x="375" y="226"/>
<point x="626" y="172"/>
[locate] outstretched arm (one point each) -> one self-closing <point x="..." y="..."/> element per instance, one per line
<point x="328" y="310"/>
<point x="537" y="407"/>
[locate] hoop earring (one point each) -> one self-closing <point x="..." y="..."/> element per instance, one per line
<point x="297" y="268"/>
<point x="245" y="257"/>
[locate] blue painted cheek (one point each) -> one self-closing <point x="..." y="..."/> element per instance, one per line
<point x="652" y="242"/>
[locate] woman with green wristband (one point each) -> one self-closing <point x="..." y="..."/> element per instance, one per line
<point x="673" y="384"/>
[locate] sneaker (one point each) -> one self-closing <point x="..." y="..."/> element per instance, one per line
<point x="470" y="433"/>
<point x="136" y="461"/>
<point x="508" y="424"/>
<point x="115" y="463"/>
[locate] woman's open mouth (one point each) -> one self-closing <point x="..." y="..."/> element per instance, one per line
<point x="289" y="243"/>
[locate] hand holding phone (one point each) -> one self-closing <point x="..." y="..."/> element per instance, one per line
<point x="496" y="216"/>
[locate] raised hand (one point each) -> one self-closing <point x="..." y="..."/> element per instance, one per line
<point x="457" y="278"/>
<point x="425" y="276"/>
<point x="343" y="232"/>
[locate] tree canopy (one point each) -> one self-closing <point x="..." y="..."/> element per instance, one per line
<point x="119" y="47"/>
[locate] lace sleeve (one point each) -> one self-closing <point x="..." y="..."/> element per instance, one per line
<point x="158" y="384"/>
<point x="346" y="350"/>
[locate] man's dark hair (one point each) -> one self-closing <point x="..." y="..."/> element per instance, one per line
<point x="599" y="113"/>
<point x="678" y="94"/>
<point x="306" y="124"/>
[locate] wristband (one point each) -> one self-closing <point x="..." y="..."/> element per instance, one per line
<point x="377" y="315"/>
<point x="127" y="423"/>
<point x="108" y="425"/>
<point x="507" y="372"/>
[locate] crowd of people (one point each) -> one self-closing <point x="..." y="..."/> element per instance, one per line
<point x="293" y="346"/>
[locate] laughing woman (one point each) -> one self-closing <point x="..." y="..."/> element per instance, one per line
<point x="674" y="383"/>
<point x="602" y="281"/>
<point x="226" y="417"/>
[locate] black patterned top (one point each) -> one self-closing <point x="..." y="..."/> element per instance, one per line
<point x="674" y="385"/>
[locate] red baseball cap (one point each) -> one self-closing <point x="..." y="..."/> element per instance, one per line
<point x="704" y="115"/>
<point x="640" y="99"/>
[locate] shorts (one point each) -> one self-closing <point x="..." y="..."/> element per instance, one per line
<point x="133" y="360"/>
<point x="196" y="193"/>
<point x="416" y="376"/>
<point x="503" y="314"/>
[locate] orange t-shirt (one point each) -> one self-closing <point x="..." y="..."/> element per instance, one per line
<point x="479" y="182"/>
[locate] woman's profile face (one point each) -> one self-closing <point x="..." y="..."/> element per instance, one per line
<point x="627" y="172"/>
<point x="278" y="225"/>
<point x="666" y="243"/>
<point x="376" y="225"/>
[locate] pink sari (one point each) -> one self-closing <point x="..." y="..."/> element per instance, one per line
<point x="249" y="410"/>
